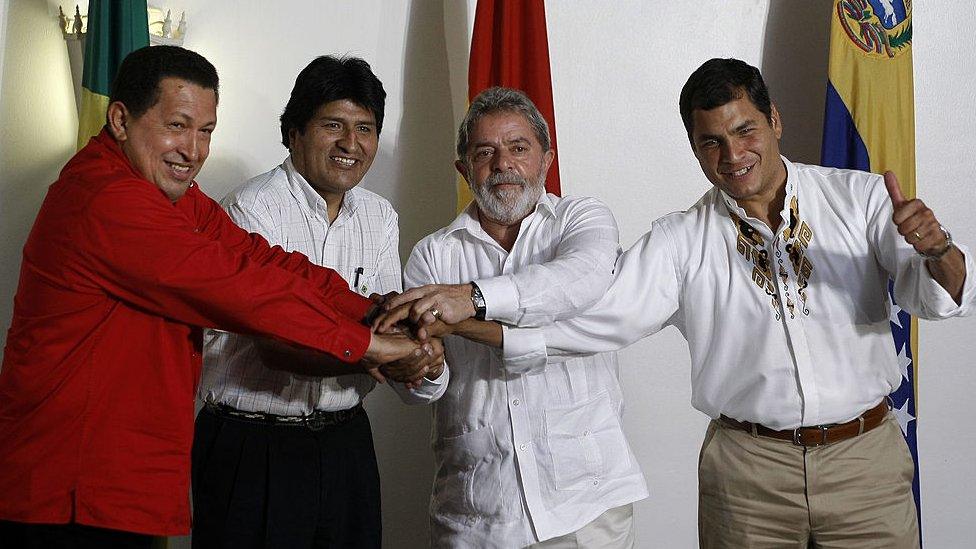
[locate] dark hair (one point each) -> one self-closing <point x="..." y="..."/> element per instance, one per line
<point x="328" y="79"/>
<point x="136" y="83"/>
<point x="497" y="99"/>
<point x="719" y="81"/>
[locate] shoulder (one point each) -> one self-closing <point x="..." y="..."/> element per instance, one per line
<point x="570" y="205"/>
<point x="270" y="187"/>
<point x="373" y="203"/>
<point x="836" y="180"/>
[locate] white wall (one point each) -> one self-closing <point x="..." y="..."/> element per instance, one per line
<point x="617" y="69"/>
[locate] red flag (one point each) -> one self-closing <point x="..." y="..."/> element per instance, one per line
<point x="509" y="48"/>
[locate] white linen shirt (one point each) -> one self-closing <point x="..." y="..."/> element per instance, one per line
<point x="524" y="458"/>
<point x="283" y="208"/>
<point x="787" y="329"/>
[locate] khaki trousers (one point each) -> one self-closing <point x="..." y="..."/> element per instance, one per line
<point x="614" y="529"/>
<point x="759" y="492"/>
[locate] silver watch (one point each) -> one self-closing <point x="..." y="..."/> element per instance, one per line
<point x="478" y="300"/>
<point x="939" y="254"/>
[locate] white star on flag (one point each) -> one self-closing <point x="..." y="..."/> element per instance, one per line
<point x="904" y="362"/>
<point x="893" y="316"/>
<point x="903" y="417"/>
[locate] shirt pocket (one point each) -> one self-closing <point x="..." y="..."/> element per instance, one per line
<point x="469" y="484"/>
<point x="364" y="281"/>
<point x="586" y="443"/>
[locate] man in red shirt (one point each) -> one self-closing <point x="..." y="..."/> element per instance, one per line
<point x="126" y="261"/>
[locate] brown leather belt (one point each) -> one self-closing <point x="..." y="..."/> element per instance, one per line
<point x="819" y="434"/>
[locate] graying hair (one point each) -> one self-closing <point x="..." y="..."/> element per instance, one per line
<point x="497" y="99"/>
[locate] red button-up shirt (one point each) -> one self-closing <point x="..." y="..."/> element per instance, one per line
<point x="103" y="353"/>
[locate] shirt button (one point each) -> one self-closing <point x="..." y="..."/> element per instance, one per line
<point x="196" y="230"/>
<point x="515" y="402"/>
<point x="521" y="446"/>
<point x="596" y="482"/>
<point x="347" y="353"/>
<point x="586" y="433"/>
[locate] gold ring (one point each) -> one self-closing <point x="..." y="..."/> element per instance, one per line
<point x="435" y="313"/>
<point x="918" y="237"/>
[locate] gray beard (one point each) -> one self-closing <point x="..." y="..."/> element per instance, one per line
<point x="510" y="206"/>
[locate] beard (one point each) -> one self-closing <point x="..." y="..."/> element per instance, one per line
<point x="508" y="206"/>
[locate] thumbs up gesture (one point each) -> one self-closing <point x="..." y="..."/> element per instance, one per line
<point x="916" y="222"/>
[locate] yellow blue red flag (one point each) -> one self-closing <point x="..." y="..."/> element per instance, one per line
<point x="869" y="125"/>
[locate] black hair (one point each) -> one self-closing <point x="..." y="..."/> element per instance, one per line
<point x="326" y="79"/>
<point x="719" y="81"/>
<point x="136" y="83"/>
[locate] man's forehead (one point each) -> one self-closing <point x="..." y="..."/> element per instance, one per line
<point x="345" y="109"/>
<point x="505" y="126"/>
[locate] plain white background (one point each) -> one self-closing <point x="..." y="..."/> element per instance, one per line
<point x="617" y="69"/>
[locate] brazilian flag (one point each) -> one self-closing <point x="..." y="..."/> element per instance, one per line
<point x="115" y="28"/>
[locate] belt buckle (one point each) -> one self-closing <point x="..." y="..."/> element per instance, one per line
<point x="823" y="436"/>
<point x="315" y="423"/>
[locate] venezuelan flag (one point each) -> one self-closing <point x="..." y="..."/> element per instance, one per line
<point x="869" y="125"/>
<point x="509" y="47"/>
<point x="115" y="28"/>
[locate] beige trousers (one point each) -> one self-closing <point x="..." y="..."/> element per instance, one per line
<point x="614" y="529"/>
<point x="756" y="492"/>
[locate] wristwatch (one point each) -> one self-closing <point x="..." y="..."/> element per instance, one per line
<point x="945" y="249"/>
<point x="478" y="300"/>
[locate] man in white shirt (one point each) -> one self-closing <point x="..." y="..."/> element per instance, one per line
<point x="283" y="452"/>
<point x="521" y="460"/>
<point x="777" y="277"/>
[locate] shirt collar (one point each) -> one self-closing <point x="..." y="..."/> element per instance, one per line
<point x="312" y="201"/>
<point x="791" y="191"/>
<point x="468" y="218"/>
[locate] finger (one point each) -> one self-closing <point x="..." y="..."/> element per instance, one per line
<point x="421" y="306"/>
<point x="375" y="374"/>
<point x="386" y="321"/>
<point x="912" y="215"/>
<point x="894" y="189"/>
<point x="407" y="296"/>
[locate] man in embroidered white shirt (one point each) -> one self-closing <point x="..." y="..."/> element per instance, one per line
<point x="521" y="460"/>
<point x="777" y="277"/>
<point x="283" y="451"/>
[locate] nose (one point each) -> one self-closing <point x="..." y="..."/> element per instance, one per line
<point x="349" y="140"/>
<point x="502" y="161"/>
<point x="731" y="150"/>
<point x="193" y="147"/>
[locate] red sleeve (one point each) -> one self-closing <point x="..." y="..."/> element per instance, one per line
<point x="216" y="224"/>
<point x="148" y="252"/>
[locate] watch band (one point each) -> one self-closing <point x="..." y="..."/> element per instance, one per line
<point x="478" y="300"/>
<point x="948" y="246"/>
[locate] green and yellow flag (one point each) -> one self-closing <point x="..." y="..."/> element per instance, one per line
<point x="115" y="28"/>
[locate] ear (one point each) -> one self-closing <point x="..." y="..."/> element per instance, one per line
<point x="117" y="116"/>
<point x="291" y="137"/>
<point x="547" y="159"/>
<point x="776" y="121"/>
<point x="462" y="169"/>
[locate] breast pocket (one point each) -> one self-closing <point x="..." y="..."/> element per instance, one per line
<point x="470" y="484"/>
<point x="364" y="280"/>
<point x="585" y="443"/>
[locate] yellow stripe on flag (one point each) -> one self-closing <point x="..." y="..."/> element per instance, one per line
<point x="91" y="117"/>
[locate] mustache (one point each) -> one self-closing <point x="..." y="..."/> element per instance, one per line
<point x="505" y="178"/>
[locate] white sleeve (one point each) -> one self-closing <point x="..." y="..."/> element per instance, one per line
<point x="574" y="279"/>
<point x="642" y="299"/>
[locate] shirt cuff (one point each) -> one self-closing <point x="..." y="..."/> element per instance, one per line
<point x="937" y="299"/>
<point x="501" y="298"/>
<point x="349" y="341"/>
<point x="523" y="350"/>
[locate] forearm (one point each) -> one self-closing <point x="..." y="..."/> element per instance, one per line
<point x="480" y="331"/>
<point x="950" y="272"/>
<point x="280" y="356"/>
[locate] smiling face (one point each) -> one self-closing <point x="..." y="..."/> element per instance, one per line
<point x="169" y="143"/>
<point x="738" y="150"/>
<point x="505" y="166"/>
<point x="336" y="148"/>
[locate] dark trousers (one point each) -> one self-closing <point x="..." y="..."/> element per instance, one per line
<point x="21" y="535"/>
<point x="284" y="486"/>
